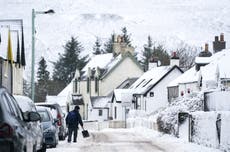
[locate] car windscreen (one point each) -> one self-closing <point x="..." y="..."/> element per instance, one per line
<point x="44" y="116"/>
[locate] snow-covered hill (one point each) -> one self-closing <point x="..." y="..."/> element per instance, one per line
<point x="167" y="21"/>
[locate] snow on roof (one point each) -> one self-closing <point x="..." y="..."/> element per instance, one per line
<point x="218" y="67"/>
<point x="189" y="76"/>
<point x="203" y="60"/>
<point x="100" y="102"/>
<point x="149" y="78"/>
<point x="113" y="63"/>
<point x="124" y="95"/>
<point x="61" y="100"/>
<point x="100" y="61"/>
<point x="66" y="90"/>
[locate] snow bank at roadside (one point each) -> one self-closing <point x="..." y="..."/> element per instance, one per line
<point x="171" y="143"/>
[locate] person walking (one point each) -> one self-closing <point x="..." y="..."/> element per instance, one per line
<point x="73" y="119"/>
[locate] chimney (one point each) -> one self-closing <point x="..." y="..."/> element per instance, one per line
<point x="153" y="62"/>
<point x="118" y="39"/>
<point x="219" y="45"/>
<point x="206" y="47"/>
<point x="115" y="38"/>
<point x="222" y="37"/>
<point x="175" y="60"/>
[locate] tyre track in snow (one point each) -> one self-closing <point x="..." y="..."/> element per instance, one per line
<point x="119" y="142"/>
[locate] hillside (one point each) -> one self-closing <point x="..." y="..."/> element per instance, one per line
<point x="170" y="22"/>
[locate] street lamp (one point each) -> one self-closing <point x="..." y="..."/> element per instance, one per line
<point x="33" y="46"/>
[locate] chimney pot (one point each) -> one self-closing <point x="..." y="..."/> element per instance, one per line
<point x="174" y="54"/>
<point x="115" y="38"/>
<point x="118" y="39"/>
<point x="222" y="37"/>
<point x="206" y="47"/>
<point x="216" y="38"/>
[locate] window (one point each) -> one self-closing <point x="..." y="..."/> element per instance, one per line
<point x="96" y="84"/>
<point x="13" y="107"/>
<point x="146" y="83"/>
<point x="140" y="83"/>
<point x="115" y="112"/>
<point x="88" y="85"/>
<point x="100" y="112"/>
<point x="4" y="99"/>
<point x="44" y="116"/>
<point x="151" y="94"/>
<point x="75" y="82"/>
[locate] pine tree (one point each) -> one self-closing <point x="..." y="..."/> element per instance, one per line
<point x="68" y="62"/>
<point x="161" y="54"/>
<point x="126" y="36"/>
<point x="108" y="46"/>
<point x="148" y="50"/>
<point x="97" y="47"/>
<point x="43" y="79"/>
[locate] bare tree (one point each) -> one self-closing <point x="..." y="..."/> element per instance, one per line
<point x="187" y="55"/>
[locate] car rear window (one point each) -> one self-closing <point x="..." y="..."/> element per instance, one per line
<point x="53" y="110"/>
<point x="44" y="116"/>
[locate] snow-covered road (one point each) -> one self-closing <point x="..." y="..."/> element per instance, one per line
<point x="110" y="141"/>
<point x="104" y="139"/>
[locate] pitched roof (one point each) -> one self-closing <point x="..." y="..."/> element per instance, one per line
<point x="100" y="60"/>
<point x="61" y="100"/>
<point x="218" y="66"/>
<point x="151" y="78"/>
<point x="189" y="76"/>
<point x="124" y="95"/>
<point x="100" y="102"/>
<point x="66" y="90"/>
<point x="124" y="85"/>
<point x="118" y="60"/>
<point x="107" y="62"/>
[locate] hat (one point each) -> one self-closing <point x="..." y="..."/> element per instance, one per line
<point x="77" y="108"/>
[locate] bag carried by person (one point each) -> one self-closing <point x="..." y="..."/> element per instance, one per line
<point x="85" y="133"/>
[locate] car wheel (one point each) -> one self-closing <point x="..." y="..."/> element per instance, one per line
<point x="55" y="145"/>
<point x="43" y="148"/>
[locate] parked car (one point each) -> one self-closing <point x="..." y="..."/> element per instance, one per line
<point x="49" y="124"/>
<point x="15" y="135"/>
<point x="59" y="115"/>
<point x="27" y="105"/>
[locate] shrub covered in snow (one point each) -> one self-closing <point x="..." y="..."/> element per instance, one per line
<point x="167" y="118"/>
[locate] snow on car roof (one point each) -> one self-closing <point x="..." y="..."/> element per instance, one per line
<point x="25" y="103"/>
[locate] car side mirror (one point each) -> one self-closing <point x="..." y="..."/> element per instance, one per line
<point x="33" y="116"/>
<point x="55" y="121"/>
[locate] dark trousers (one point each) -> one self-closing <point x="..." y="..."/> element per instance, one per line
<point x="74" y="131"/>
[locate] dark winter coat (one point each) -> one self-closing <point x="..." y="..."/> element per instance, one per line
<point x="73" y="119"/>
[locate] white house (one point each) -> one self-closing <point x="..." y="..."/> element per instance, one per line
<point x="121" y="103"/>
<point x="150" y="90"/>
<point x="102" y="74"/>
<point x="186" y="83"/>
<point x="210" y="72"/>
<point x="100" y="108"/>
